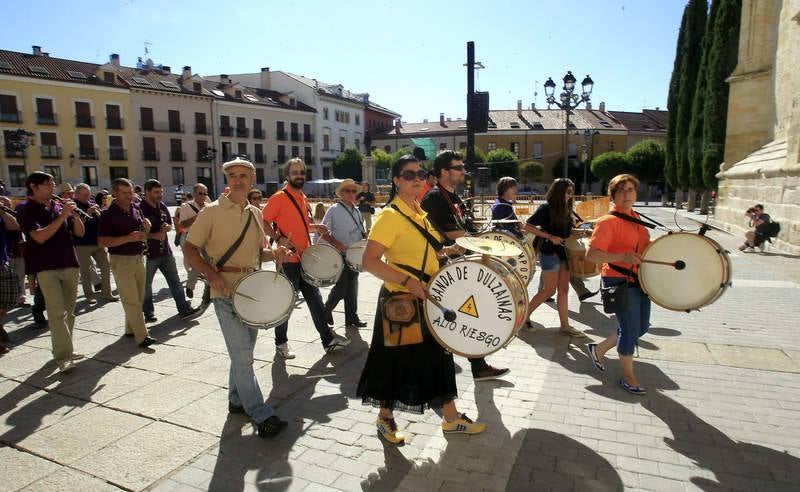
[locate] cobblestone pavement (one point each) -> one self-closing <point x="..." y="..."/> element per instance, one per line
<point x="722" y="413"/>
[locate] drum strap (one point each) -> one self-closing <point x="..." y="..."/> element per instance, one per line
<point x="437" y="245"/>
<point x="637" y="221"/>
<point x="227" y="256"/>
<point x="358" y="222"/>
<point x="303" y="218"/>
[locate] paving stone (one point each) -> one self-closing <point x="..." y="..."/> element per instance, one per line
<point x="21" y="469"/>
<point x="27" y="410"/>
<point x="162" y="397"/>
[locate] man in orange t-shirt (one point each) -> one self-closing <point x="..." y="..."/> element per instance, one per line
<point x="287" y="210"/>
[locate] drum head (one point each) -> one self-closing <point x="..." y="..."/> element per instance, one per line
<point x="523" y="265"/>
<point x="275" y="299"/>
<point x="488" y="299"/>
<point x="704" y="278"/>
<point x="322" y="263"/>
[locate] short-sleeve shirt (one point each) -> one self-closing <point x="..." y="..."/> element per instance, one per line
<point x="403" y="242"/>
<point x="217" y="227"/>
<point x="289" y="220"/>
<point x="344" y="223"/>
<point x="445" y="209"/>
<point x="614" y="235"/>
<point x="541" y="219"/>
<point x="762" y="229"/>
<point x="504" y="210"/>
<point x="364" y="199"/>
<point x="115" y="222"/>
<point x="56" y="253"/>
<point x="89" y="226"/>
<point x="186" y="212"/>
<point x="156" y="215"/>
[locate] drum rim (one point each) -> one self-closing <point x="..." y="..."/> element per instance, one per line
<point x="307" y="276"/>
<point x="514" y="331"/>
<point x="527" y="250"/>
<point x="266" y="326"/>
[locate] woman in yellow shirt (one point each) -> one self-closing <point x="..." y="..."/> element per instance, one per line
<point x="409" y="377"/>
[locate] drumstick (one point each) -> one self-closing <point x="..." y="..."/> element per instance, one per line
<point x="246" y="296"/>
<point x="449" y="314"/>
<point x="678" y="265"/>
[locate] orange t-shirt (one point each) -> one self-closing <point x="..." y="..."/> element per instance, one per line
<point x="280" y="210"/>
<point x="425" y="188"/>
<point x="615" y="235"/>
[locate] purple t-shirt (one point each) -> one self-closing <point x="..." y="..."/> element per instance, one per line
<point x="56" y="253"/>
<point x="115" y="222"/>
<point x="156" y="215"/>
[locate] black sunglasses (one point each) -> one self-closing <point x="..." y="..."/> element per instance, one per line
<point x="456" y="168"/>
<point x="409" y="175"/>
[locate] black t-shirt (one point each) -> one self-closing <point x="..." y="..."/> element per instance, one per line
<point x="445" y="209"/>
<point x="364" y="199"/>
<point x="762" y="229"/>
<point x="541" y="218"/>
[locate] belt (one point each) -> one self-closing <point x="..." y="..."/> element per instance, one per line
<point x="229" y="269"/>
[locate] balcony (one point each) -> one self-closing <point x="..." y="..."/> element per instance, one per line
<point x="46" y="119"/>
<point x="280" y="135"/>
<point x="117" y="154"/>
<point x="308" y="160"/>
<point x="226" y="156"/>
<point x="151" y="155"/>
<point x="226" y="131"/>
<point x="84" y="121"/>
<point x="161" y="126"/>
<point x="259" y="133"/>
<point x="308" y="137"/>
<point x="201" y="130"/>
<point x="13" y="152"/>
<point x="243" y="132"/>
<point x="295" y="137"/>
<point x="260" y="158"/>
<point x="204" y="156"/>
<point x="115" y="123"/>
<point x="282" y="159"/>
<point x="50" y="152"/>
<point x="177" y="156"/>
<point x="85" y="153"/>
<point x="11" y="117"/>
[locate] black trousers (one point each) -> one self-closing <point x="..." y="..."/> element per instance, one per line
<point x="38" y="307"/>
<point x="345" y="288"/>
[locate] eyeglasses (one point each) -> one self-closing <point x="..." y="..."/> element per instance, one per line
<point x="350" y="191"/>
<point x="297" y="173"/>
<point x="409" y="175"/>
<point x="456" y="168"/>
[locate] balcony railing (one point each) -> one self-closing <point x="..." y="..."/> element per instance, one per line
<point x="161" y="126"/>
<point x="308" y="137"/>
<point x="228" y="156"/>
<point x="117" y="154"/>
<point x="259" y="133"/>
<point x="46" y="118"/>
<point x="204" y="156"/>
<point x="50" y="152"/>
<point x="280" y="135"/>
<point x="282" y="159"/>
<point x="309" y="160"/>
<point x="260" y="158"/>
<point x="12" y="152"/>
<point x="11" y="117"/>
<point x="115" y="123"/>
<point x="84" y="153"/>
<point x="151" y="155"/>
<point x="84" y="121"/>
<point x="243" y="132"/>
<point x="177" y="156"/>
<point x="226" y="131"/>
<point x="295" y="137"/>
<point x="201" y="130"/>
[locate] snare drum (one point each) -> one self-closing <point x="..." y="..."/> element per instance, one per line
<point x="263" y="299"/>
<point x="705" y="277"/>
<point x="321" y="265"/>
<point x="579" y="266"/>
<point x="354" y="254"/>
<point x="490" y="302"/>
<point x="523" y="265"/>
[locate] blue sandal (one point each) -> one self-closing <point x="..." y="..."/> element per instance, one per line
<point x="592" y="349"/>
<point x="634" y="390"/>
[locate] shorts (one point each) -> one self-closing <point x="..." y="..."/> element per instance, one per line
<point x="634" y="322"/>
<point x="9" y="287"/>
<point x="550" y="263"/>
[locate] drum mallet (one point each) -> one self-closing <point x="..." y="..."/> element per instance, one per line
<point x="449" y="314"/>
<point x="678" y="265"/>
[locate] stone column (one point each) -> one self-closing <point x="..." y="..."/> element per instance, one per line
<point x="368" y="170"/>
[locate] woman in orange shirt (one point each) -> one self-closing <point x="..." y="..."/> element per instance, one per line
<point x="618" y="243"/>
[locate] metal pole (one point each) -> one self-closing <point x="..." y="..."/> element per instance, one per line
<point x="566" y="141"/>
<point x="470" y="95"/>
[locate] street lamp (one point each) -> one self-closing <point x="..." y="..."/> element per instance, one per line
<point x="209" y="155"/>
<point x="19" y="140"/>
<point x="588" y="143"/>
<point x="568" y="101"/>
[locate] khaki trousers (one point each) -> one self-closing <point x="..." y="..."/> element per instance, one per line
<point x="85" y="255"/>
<point x="60" y="289"/>
<point x="129" y="274"/>
<point x="19" y="267"/>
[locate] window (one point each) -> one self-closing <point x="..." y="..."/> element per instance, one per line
<point x="537" y="150"/>
<point x="197" y="87"/>
<point x="169" y="84"/>
<point x="442" y="146"/>
<point x="357" y="144"/>
<point x="150" y="172"/>
<point x="175" y="121"/>
<point x="295" y="151"/>
<point x="237" y="94"/>
<point x="76" y="75"/>
<point x="200" y="124"/>
<point x="49" y="147"/>
<point x="227" y="154"/>
<point x="292" y="102"/>
<point x="259" y="154"/>
<point x="491" y="146"/>
<point x="83" y="115"/>
<point x="146" y="119"/>
<point x="573" y="149"/>
<point x="176" y="150"/>
<point x="39" y="70"/>
<point x="17" y="176"/>
<point x="309" y="174"/>
<point x="89" y="175"/>
<point x="342" y="143"/>
<point x="108" y="76"/>
<point x="325" y="113"/>
<point x="149" y="152"/>
<point x="242" y="149"/>
<point x="259" y="175"/>
<point x="116" y="150"/>
<point x="515" y="148"/>
<point x="177" y="175"/>
<point x="281" y="154"/>
<point x="462" y="145"/>
<point x="387" y="148"/>
<point x="141" y="81"/>
<point x="44" y="112"/>
<point x="117" y="172"/>
<point x="326" y="142"/>
<point x="342" y="116"/>
<point x="55" y="171"/>
<point x="114" y="117"/>
<point x="358" y="119"/>
<point x="326" y="173"/>
<point x="86" y="148"/>
<point x="203" y="173"/>
<point x="307" y="155"/>
<point x="8" y="109"/>
<point x="610" y="145"/>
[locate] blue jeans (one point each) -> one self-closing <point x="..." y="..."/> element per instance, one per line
<point x="240" y="340"/>
<point x="633" y="323"/>
<point x="313" y="301"/>
<point x="166" y="264"/>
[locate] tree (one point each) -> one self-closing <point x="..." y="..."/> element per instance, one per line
<point x="646" y="161"/>
<point x="530" y="171"/>
<point x="401" y="152"/>
<point x="574" y="172"/>
<point x="670" y="166"/>
<point x="502" y="162"/>
<point x="383" y="160"/>
<point x="348" y="164"/>
<point x="609" y="164"/>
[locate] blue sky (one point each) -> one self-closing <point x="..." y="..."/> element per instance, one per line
<point x="407" y="54"/>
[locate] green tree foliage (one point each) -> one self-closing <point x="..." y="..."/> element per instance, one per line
<point x="348" y="164"/>
<point x="670" y="166"/>
<point x="691" y="50"/>
<point x="530" y="171"/>
<point x="722" y="58"/>
<point x="646" y="160"/>
<point x="609" y="164"/>
<point x="401" y="152"/>
<point x="502" y="162"/>
<point x="383" y="160"/>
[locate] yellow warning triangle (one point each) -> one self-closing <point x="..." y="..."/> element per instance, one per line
<point x="469" y="307"/>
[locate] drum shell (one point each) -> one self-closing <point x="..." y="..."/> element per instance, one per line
<point x="321" y="265"/>
<point x="579" y="266"/>
<point x="523" y="265"/>
<point x="276" y="292"/>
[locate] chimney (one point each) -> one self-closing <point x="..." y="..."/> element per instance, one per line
<point x="588" y="105"/>
<point x="441" y="119"/>
<point x="114" y="59"/>
<point x="224" y="79"/>
<point x="425" y="120"/>
<point x="187" y="73"/>
<point x="365" y="98"/>
<point x="397" y="125"/>
<point x="602" y="107"/>
<point x="519" y="107"/>
<point x="46" y="54"/>
<point x="37" y="50"/>
<point x="166" y="69"/>
<point x="533" y="106"/>
<point x="266" y="78"/>
<point x="657" y="108"/>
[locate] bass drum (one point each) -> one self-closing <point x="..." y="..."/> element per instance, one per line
<point x="705" y="276"/>
<point x="523" y="265"/>
<point x="490" y="302"/>
<point x="321" y="265"/>
<point x="263" y="299"/>
<point x="579" y="266"/>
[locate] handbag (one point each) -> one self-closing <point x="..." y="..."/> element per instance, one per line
<point x="615" y="298"/>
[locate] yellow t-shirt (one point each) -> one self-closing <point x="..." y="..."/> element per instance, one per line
<point x="403" y="242"/>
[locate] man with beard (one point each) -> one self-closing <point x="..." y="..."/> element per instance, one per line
<point x="446" y="211"/>
<point x="286" y="221"/>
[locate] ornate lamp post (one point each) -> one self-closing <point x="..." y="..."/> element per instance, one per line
<point x="209" y="155"/>
<point x="588" y="143"/>
<point x="568" y="101"/>
<point x="19" y="140"/>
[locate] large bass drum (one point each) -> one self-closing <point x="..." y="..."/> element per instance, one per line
<point x="523" y="265"/>
<point x="704" y="275"/>
<point x="263" y="299"/>
<point x="490" y="302"/>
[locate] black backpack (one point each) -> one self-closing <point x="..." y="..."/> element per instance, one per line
<point x="773" y="229"/>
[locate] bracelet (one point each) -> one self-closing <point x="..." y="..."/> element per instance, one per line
<point x="404" y="282"/>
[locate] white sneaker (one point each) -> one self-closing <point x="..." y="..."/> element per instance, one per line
<point x="336" y="342"/>
<point x="285" y="351"/>
<point x="65" y="365"/>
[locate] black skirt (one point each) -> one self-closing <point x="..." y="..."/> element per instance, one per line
<point x="409" y="378"/>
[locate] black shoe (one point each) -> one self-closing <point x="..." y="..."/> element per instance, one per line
<point x="587" y="295"/>
<point x="97" y="287"/>
<point x="189" y="293"/>
<point x="40" y="324"/>
<point x="148" y="340"/>
<point x="150" y="318"/>
<point x="490" y="373"/>
<point x="271" y="427"/>
<point x="235" y="408"/>
<point x="192" y="313"/>
<point x="357" y="324"/>
<point x="129" y="335"/>
<point x="549" y="299"/>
